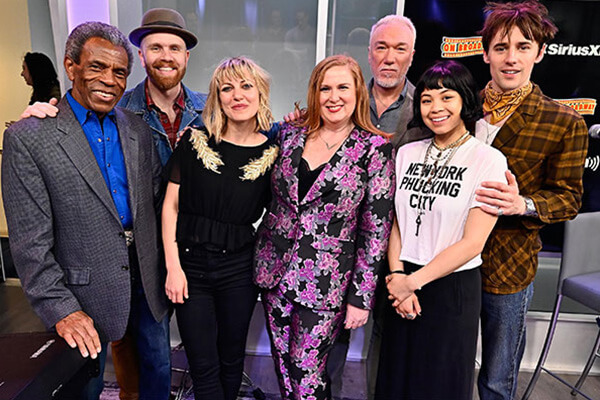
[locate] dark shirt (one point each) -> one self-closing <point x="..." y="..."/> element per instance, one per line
<point x="217" y="210"/>
<point x="171" y="129"/>
<point x="306" y="177"/>
<point x="103" y="137"/>
<point x="389" y="120"/>
<point x="45" y="93"/>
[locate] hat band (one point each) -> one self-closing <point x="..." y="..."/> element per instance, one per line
<point x="165" y="23"/>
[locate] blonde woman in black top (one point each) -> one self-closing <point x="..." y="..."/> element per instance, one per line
<point x="218" y="187"/>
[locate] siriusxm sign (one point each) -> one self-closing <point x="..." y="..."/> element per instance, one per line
<point x="559" y="49"/>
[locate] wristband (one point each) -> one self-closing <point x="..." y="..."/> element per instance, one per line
<point x="399" y="271"/>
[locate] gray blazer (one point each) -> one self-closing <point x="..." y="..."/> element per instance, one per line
<point x="66" y="238"/>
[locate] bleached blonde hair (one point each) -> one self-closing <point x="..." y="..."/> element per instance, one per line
<point x="232" y="69"/>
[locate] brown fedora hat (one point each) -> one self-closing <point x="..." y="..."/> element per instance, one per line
<point x="163" y="20"/>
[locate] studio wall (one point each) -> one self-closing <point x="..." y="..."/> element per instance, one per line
<point x="14" y="29"/>
<point x="15" y="93"/>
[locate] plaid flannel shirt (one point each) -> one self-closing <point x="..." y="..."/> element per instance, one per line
<point x="545" y="144"/>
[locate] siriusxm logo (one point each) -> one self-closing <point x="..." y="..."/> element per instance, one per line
<point x="559" y="49"/>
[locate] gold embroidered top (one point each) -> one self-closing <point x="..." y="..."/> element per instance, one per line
<point x="212" y="159"/>
<point x="223" y="190"/>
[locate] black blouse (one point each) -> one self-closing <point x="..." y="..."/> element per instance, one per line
<point x="307" y="176"/>
<point x="216" y="206"/>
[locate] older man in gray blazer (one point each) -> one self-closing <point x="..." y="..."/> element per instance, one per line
<point x="79" y="192"/>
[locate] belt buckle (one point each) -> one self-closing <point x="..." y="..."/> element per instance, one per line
<point x="128" y="237"/>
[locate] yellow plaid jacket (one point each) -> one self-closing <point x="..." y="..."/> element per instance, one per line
<point x="545" y="144"/>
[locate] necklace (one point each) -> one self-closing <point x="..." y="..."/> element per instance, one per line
<point x="490" y="134"/>
<point x="444" y="155"/>
<point x="451" y="145"/>
<point x="333" y="145"/>
<point x="385" y="105"/>
<point x="329" y="146"/>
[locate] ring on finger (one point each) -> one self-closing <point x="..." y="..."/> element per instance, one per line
<point x="500" y="212"/>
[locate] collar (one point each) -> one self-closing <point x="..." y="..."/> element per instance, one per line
<point x="396" y="103"/>
<point x="81" y="113"/>
<point x="179" y="100"/>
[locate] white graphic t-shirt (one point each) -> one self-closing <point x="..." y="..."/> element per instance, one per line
<point x="432" y="212"/>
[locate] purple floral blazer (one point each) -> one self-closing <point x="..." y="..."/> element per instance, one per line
<point x="325" y="250"/>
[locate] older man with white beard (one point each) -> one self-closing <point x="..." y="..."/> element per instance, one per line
<point x="391" y="50"/>
<point x="390" y="53"/>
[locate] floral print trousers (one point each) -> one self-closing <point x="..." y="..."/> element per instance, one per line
<point x="301" y="339"/>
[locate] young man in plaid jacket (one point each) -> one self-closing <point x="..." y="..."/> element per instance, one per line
<point x="545" y="144"/>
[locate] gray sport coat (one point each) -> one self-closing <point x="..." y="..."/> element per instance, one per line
<point x="65" y="235"/>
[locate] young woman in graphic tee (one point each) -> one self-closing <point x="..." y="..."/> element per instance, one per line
<point x="430" y="332"/>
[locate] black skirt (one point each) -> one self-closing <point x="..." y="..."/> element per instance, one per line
<point x="433" y="356"/>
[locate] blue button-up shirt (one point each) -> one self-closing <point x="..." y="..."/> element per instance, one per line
<point x="103" y="137"/>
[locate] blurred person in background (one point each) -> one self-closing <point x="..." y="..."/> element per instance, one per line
<point x="39" y="73"/>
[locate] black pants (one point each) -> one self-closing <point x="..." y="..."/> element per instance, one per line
<point x="433" y="356"/>
<point x="214" y="321"/>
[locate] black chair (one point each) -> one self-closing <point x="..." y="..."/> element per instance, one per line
<point x="579" y="280"/>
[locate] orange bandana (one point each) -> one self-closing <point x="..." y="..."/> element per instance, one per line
<point x="501" y="105"/>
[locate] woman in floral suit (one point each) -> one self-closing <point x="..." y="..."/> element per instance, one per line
<point x="326" y="230"/>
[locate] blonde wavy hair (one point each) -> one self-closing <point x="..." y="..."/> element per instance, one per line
<point x="360" y="116"/>
<point x="235" y="69"/>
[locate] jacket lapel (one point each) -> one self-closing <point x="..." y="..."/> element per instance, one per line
<point x="77" y="148"/>
<point x="130" y="146"/>
<point x="518" y="120"/>
<point x="296" y="148"/>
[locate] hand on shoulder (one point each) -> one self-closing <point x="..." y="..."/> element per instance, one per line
<point x="41" y="110"/>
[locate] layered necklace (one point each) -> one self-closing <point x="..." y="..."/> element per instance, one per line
<point x="438" y="162"/>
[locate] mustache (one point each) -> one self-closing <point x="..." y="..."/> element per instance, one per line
<point x="162" y="64"/>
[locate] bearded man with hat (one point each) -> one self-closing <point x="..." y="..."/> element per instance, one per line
<point x="161" y="99"/>
<point x="167" y="106"/>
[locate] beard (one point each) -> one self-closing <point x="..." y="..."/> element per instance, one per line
<point x="389" y="82"/>
<point x="161" y="82"/>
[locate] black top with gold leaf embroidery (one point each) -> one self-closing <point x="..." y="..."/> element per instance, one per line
<point x="224" y="189"/>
